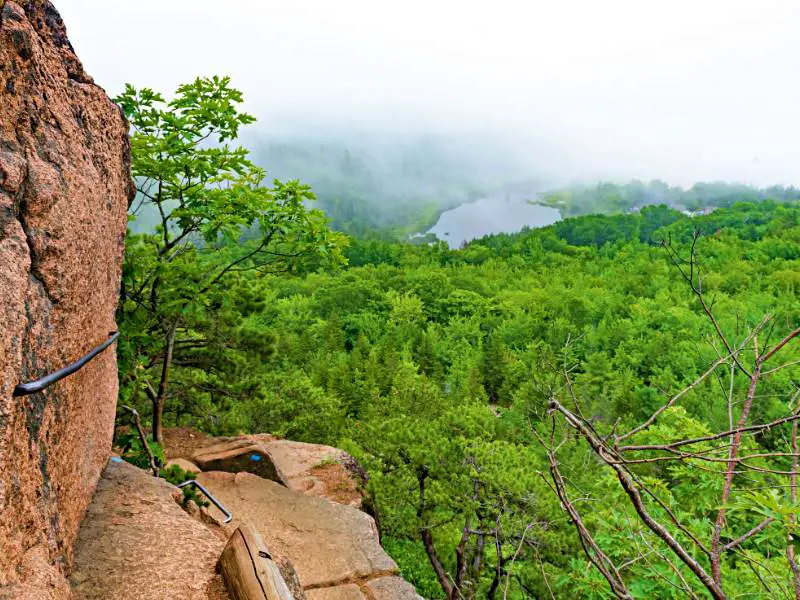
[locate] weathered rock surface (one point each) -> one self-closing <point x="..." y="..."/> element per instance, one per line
<point x="329" y="544"/>
<point x="391" y="588"/>
<point x="237" y="455"/>
<point x="137" y="542"/>
<point x="316" y="470"/>
<point x="349" y="591"/>
<point x="64" y="191"/>
<point x="313" y="469"/>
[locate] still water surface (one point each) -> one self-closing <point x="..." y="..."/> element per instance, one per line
<point x="490" y="215"/>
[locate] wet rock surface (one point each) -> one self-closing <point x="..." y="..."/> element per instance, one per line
<point x="64" y="192"/>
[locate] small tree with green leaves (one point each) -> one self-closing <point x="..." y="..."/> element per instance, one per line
<point x="215" y="219"/>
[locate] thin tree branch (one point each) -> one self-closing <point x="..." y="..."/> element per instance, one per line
<point x="636" y="500"/>
<point x="143" y="439"/>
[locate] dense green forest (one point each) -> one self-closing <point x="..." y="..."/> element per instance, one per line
<point x="492" y="393"/>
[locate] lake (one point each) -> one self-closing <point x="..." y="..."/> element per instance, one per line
<point x="491" y="215"/>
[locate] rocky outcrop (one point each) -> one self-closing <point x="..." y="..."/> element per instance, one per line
<point x="390" y="588"/>
<point x="308" y="509"/>
<point x="64" y="192"/>
<point x="382" y="588"/>
<point x="236" y="455"/>
<point x="318" y="470"/>
<point x="313" y="469"/>
<point x="334" y="548"/>
<point x="137" y="542"/>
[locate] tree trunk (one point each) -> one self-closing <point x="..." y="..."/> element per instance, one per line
<point x="160" y="396"/>
<point x="492" y="593"/>
<point x="154" y="467"/>
<point x="441" y="574"/>
<point x="449" y="590"/>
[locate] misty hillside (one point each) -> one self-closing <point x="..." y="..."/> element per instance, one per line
<point x="399" y="186"/>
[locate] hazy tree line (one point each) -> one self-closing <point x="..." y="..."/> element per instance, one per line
<point x="613" y="198"/>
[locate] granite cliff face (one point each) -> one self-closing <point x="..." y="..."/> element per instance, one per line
<point x="64" y="192"/>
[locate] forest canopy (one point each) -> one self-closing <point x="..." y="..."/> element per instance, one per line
<point x="522" y="405"/>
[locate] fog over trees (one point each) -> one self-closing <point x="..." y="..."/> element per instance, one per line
<point x="682" y="92"/>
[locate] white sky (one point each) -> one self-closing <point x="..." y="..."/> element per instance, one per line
<point x="679" y="89"/>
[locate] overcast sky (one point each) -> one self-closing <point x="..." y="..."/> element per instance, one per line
<point x="684" y="90"/>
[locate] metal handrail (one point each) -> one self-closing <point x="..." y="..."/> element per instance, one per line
<point x="25" y="389"/>
<point x="214" y="501"/>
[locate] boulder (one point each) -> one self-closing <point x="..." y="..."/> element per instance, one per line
<point x="317" y="470"/>
<point x="312" y="469"/>
<point x="64" y="192"/>
<point x="237" y="455"/>
<point x="137" y="542"/>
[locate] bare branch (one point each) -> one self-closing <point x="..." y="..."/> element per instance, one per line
<point x="743" y="538"/>
<point x="779" y="346"/>
<point x="143" y="439"/>
<point x="635" y="496"/>
<point x="593" y="552"/>
<point x="688" y="388"/>
<point x="712" y="437"/>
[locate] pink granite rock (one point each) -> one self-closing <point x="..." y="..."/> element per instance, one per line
<point x="64" y="192"/>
